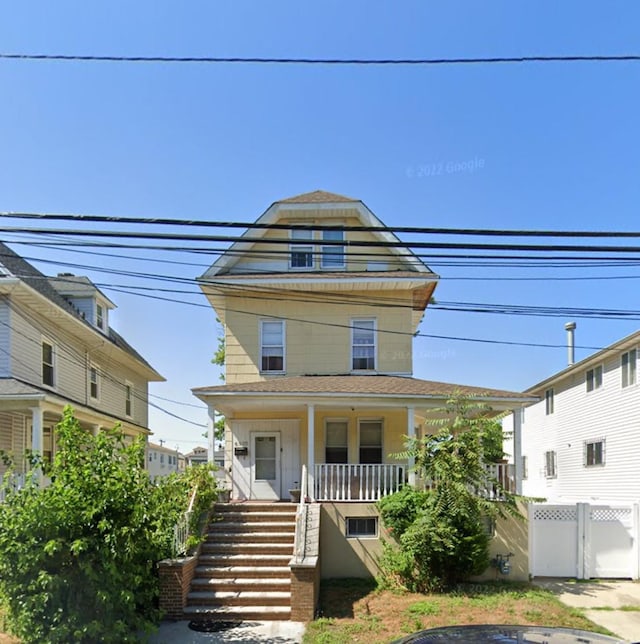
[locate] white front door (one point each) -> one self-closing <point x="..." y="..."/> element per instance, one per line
<point x="265" y="466"/>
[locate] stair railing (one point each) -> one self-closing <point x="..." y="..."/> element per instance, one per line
<point x="181" y="529"/>
<point x="302" y="519"/>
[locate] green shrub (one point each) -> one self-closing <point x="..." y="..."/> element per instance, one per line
<point x="77" y="558"/>
<point x="440" y="533"/>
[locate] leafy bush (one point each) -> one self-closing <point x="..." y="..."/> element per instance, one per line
<point x="401" y="509"/>
<point x="77" y="558"/>
<point x="440" y="532"/>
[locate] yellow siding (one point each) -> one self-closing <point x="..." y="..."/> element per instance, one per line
<point x="340" y="216"/>
<point x="323" y="344"/>
<point x="394" y="429"/>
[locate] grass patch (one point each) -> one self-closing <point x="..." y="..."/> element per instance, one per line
<point x="355" y="610"/>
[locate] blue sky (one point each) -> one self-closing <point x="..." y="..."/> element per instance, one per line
<point x="555" y="146"/>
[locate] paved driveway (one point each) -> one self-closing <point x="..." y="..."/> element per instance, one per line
<point x="602" y="602"/>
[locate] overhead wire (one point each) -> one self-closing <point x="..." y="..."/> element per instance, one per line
<point x="270" y="60"/>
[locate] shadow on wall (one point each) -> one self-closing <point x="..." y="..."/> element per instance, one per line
<point x="511" y="537"/>
<point x="341" y="556"/>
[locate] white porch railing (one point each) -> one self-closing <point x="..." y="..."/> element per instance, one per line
<point x="503" y="474"/>
<point x="356" y="482"/>
<point x="16" y="481"/>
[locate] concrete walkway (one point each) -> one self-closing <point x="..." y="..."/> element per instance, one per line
<point x="601" y="602"/>
<point x="247" y="632"/>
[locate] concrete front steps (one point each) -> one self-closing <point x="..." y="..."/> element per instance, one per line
<point x="243" y="569"/>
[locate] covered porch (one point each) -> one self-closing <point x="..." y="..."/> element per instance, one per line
<point x="345" y="430"/>
<point x="28" y="417"/>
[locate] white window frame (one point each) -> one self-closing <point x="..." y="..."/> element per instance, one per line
<point x="283" y="345"/>
<point x="344" y="421"/>
<point x="357" y="324"/>
<point x="594" y="378"/>
<point x="353" y="525"/>
<point x="128" y="399"/>
<point x="549" y="401"/>
<point x="302" y="241"/>
<point x="333" y="251"/>
<point x="101" y="315"/>
<point x="94" y="383"/>
<point x="380" y="421"/>
<point x="592" y="443"/>
<point x="51" y="365"/>
<point x="629" y="368"/>
<point x="550" y="464"/>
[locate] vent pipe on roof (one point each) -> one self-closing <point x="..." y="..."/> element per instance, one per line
<point x="571" y="347"/>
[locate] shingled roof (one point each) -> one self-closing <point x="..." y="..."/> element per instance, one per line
<point x="30" y="275"/>
<point x="391" y="386"/>
<point x="318" y="196"/>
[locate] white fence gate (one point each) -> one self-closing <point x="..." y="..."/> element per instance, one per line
<point x="583" y="541"/>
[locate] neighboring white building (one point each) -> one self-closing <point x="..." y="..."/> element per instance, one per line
<point x="197" y="456"/>
<point x="161" y="460"/>
<point x="581" y="441"/>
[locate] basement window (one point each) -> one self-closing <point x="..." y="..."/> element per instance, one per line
<point x="362" y="527"/>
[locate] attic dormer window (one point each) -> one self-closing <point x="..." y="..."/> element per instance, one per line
<point x="100" y="320"/>
<point x="301" y="248"/>
<point x="333" y="254"/>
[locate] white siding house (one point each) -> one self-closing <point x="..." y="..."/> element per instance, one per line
<point x="57" y="349"/>
<point x="581" y="441"/>
<point x="161" y="460"/>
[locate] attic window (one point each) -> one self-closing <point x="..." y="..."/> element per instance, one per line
<point x="333" y="254"/>
<point x="100" y="316"/>
<point x="301" y="248"/>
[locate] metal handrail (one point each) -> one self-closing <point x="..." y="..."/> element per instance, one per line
<point x="302" y="519"/>
<point x="181" y="529"/>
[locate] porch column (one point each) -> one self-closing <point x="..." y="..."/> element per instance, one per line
<point x="211" y="433"/>
<point x="311" y="459"/>
<point x="517" y="448"/>
<point x="411" y="433"/>
<point x="37" y="418"/>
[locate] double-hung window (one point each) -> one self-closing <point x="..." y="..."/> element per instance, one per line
<point x="100" y="316"/>
<point x="128" y="399"/>
<point x="48" y="364"/>
<point x="594" y="453"/>
<point x="333" y="254"/>
<point x="301" y="248"/>
<point x="363" y="345"/>
<point x="370" y="441"/>
<point x="628" y="367"/>
<point x="272" y="346"/>
<point x="94" y="382"/>
<point x="594" y="378"/>
<point x="550" y="465"/>
<point x="336" y="448"/>
<point x="549" y="405"/>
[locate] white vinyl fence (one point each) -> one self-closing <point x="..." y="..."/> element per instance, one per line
<point x="583" y="541"/>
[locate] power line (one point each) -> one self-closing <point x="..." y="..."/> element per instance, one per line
<point x="254" y="225"/>
<point x="342" y="243"/>
<point x="324" y="61"/>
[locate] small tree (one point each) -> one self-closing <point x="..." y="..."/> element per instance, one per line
<point x="442" y="536"/>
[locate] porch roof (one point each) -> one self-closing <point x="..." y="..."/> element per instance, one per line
<point x="348" y="386"/>
<point x="21" y="397"/>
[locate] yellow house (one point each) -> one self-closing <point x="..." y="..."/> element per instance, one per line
<point x="320" y="302"/>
